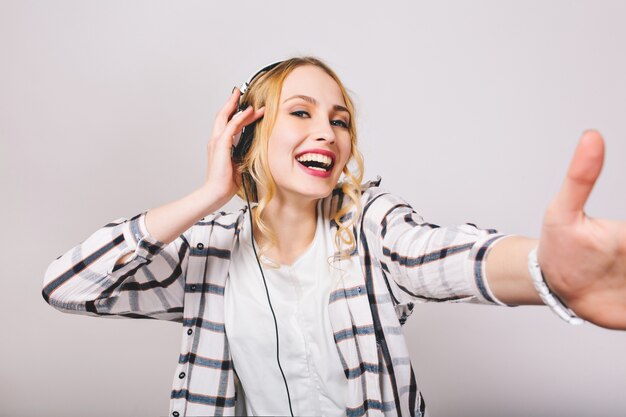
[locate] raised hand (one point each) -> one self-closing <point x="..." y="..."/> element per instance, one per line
<point x="222" y="178"/>
<point x="584" y="258"/>
<point x="169" y="221"/>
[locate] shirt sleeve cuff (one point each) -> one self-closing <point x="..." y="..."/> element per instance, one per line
<point x="477" y="268"/>
<point x="139" y="240"/>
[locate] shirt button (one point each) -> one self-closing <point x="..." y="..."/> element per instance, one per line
<point x="189" y="331"/>
<point x="181" y="375"/>
<point x="175" y="414"/>
<point x="200" y="246"/>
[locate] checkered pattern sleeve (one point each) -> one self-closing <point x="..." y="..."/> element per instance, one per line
<point x="150" y="284"/>
<point x="427" y="262"/>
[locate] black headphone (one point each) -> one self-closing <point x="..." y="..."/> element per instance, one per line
<point x="238" y="152"/>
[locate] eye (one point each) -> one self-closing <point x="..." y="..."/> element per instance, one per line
<point x="300" y="113"/>
<point x="305" y="114"/>
<point x="340" y="123"/>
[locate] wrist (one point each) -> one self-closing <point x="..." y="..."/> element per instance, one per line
<point x="209" y="199"/>
<point x="550" y="298"/>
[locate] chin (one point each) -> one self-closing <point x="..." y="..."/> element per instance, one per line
<point x="307" y="187"/>
<point x="318" y="193"/>
<point x="315" y="192"/>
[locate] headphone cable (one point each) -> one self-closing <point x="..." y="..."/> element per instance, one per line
<point x="266" y="292"/>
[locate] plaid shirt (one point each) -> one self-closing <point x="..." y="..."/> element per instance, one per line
<point x="401" y="260"/>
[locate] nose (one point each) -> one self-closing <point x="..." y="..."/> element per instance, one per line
<point x="325" y="132"/>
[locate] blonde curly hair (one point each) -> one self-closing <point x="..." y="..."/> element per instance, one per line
<point x="265" y="91"/>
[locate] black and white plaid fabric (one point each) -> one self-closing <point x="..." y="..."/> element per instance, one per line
<point x="400" y="260"/>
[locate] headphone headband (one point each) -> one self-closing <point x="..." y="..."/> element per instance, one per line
<point x="244" y="87"/>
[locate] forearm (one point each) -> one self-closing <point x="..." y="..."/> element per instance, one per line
<point x="507" y="271"/>
<point x="167" y="222"/>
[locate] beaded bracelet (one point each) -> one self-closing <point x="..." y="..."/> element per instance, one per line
<point x="548" y="297"/>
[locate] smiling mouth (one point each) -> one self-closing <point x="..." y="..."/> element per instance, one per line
<point x="317" y="162"/>
<point x="317" y="166"/>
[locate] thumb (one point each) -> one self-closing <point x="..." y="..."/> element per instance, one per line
<point x="583" y="171"/>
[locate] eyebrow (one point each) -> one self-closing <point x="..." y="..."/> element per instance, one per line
<point x="311" y="100"/>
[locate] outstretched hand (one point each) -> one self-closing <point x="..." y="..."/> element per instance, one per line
<point x="584" y="258"/>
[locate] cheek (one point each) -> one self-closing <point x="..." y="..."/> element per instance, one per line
<point x="284" y="137"/>
<point x="279" y="153"/>
<point x="346" y="151"/>
<point x="276" y="160"/>
<point x="286" y="127"/>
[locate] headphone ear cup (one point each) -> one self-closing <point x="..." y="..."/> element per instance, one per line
<point x="239" y="151"/>
<point x="245" y="142"/>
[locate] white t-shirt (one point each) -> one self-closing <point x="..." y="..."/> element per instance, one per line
<point x="308" y="354"/>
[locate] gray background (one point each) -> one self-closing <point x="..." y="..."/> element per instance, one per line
<point x="469" y="110"/>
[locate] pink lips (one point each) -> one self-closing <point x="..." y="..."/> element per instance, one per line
<point x="323" y="174"/>
<point x="319" y="151"/>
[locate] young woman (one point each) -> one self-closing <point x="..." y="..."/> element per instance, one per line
<point x="310" y="324"/>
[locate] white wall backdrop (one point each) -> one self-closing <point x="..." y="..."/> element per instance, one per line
<point x="469" y="110"/>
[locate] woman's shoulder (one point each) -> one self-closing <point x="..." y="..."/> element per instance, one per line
<point x="375" y="199"/>
<point x="370" y="190"/>
<point x="339" y="190"/>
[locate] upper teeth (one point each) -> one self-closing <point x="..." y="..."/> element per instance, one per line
<point x="315" y="157"/>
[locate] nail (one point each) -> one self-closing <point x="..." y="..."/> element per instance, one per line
<point x="234" y="88"/>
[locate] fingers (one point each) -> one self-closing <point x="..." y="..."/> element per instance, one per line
<point x="584" y="170"/>
<point x="240" y="120"/>
<point x="223" y="116"/>
<point x="224" y="138"/>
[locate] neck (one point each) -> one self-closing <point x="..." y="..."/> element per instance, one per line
<point x="294" y="223"/>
